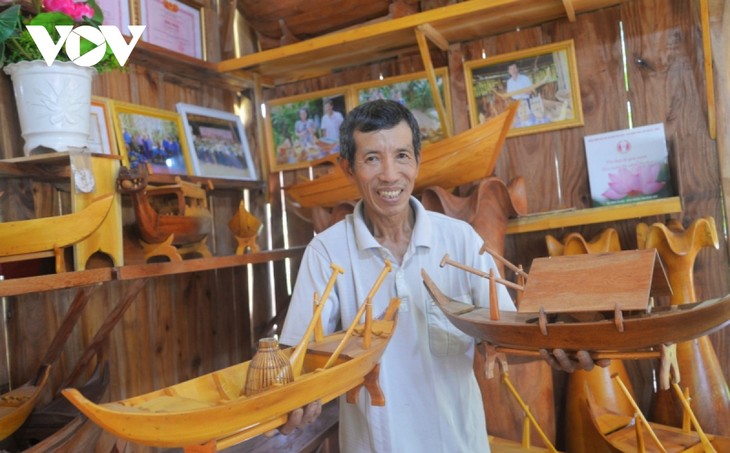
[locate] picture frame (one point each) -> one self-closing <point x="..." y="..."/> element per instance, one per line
<point x="101" y="136"/>
<point x="151" y="136"/>
<point x="176" y="25"/>
<point x="544" y="80"/>
<point x="117" y="13"/>
<point x="414" y="91"/>
<point x="217" y="142"/>
<point x="300" y="133"/>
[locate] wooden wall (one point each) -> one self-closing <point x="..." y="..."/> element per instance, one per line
<point x="181" y="326"/>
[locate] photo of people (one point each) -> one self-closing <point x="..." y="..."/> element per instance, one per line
<point x="306" y="131"/>
<point x="414" y="92"/>
<point x="542" y="80"/>
<point x="153" y="141"/>
<point x="217" y="142"/>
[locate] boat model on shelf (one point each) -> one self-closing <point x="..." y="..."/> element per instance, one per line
<point x="172" y="219"/>
<point x="212" y="411"/>
<point x="17" y="404"/>
<point x="448" y="163"/>
<point x="594" y="302"/>
<point x="48" y="236"/>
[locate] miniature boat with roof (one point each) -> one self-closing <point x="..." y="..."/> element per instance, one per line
<point x="595" y="302"/>
<point x="212" y="411"/>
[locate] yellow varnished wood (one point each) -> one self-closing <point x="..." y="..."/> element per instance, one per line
<point x="197" y="411"/>
<point x="16" y="405"/>
<point x="698" y="362"/>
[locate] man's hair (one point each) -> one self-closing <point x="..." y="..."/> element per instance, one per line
<point x="374" y="116"/>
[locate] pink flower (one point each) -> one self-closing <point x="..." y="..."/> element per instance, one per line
<point x="637" y="180"/>
<point x="76" y="9"/>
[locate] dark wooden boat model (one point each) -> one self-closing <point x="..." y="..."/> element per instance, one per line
<point x="172" y="219"/>
<point x="211" y="409"/>
<point x="288" y="21"/>
<point x="448" y="163"/>
<point x="622" y="324"/>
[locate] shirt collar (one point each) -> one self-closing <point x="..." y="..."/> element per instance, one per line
<point x="421" y="230"/>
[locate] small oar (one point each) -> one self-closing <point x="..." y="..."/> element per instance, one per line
<point x="445" y="260"/>
<point x="297" y="357"/>
<point x="503" y="260"/>
<point x="368" y="318"/>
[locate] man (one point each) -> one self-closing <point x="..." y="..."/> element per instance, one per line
<point x="517" y="82"/>
<point x="433" y="402"/>
<point x="331" y="121"/>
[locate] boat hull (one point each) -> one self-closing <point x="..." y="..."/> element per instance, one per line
<point x="522" y="330"/>
<point x="16" y="405"/>
<point x="49" y="233"/>
<point x="209" y="407"/>
<point x="448" y="163"/>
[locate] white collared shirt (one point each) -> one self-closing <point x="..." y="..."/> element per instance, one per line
<point x="433" y="402"/>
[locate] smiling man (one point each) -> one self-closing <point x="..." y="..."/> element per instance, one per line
<point x="432" y="398"/>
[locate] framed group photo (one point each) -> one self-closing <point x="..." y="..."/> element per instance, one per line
<point x="544" y="80"/>
<point x="413" y="91"/>
<point x="304" y="130"/>
<point x="217" y="143"/>
<point x="151" y="137"/>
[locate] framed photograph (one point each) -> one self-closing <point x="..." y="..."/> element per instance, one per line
<point x="413" y="91"/>
<point x="217" y="143"/>
<point x="152" y="137"/>
<point x="101" y="138"/>
<point x="175" y="25"/>
<point x="544" y="80"/>
<point x="304" y="130"/>
<point x="116" y="13"/>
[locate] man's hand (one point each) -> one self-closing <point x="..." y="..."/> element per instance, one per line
<point x="299" y="417"/>
<point x="560" y="360"/>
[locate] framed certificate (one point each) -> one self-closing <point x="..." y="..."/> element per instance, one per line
<point x="116" y="13"/>
<point x="173" y="25"/>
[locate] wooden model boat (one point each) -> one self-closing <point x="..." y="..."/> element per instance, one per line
<point x="211" y="408"/>
<point x="448" y="163"/>
<point x="187" y="217"/>
<point x="623" y="433"/>
<point x="47" y="236"/>
<point x="289" y="21"/>
<point x="16" y="405"/>
<point x="613" y="331"/>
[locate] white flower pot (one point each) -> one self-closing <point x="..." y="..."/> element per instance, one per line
<point x="54" y="103"/>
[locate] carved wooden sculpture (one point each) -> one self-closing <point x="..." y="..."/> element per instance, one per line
<point x="487" y="207"/>
<point x="245" y="227"/>
<point x="699" y="367"/>
<point x="596" y="382"/>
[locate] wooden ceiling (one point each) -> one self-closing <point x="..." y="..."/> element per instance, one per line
<point x="377" y="41"/>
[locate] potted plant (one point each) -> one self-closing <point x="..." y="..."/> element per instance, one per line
<point x="53" y="101"/>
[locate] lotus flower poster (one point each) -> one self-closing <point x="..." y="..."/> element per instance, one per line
<point x="629" y="165"/>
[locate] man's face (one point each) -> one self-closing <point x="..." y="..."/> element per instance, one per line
<point x="328" y="109"/>
<point x="385" y="169"/>
<point x="513" y="70"/>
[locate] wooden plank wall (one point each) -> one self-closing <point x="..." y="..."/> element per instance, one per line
<point x="182" y="326"/>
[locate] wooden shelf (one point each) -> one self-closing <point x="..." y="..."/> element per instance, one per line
<point x="41" y="283"/>
<point x="55" y="167"/>
<point x="569" y="218"/>
<point x="381" y="40"/>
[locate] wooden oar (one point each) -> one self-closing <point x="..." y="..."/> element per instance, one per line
<point x="367" y="305"/>
<point x="503" y="260"/>
<point x="297" y="356"/>
<point x="445" y="260"/>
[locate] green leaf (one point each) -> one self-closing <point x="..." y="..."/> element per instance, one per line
<point x="9" y="22"/>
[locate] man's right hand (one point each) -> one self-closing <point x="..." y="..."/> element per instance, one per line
<point x="299" y="417"/>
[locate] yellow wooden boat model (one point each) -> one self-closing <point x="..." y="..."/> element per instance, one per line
<point x="47" y="236"/>
<point x="211" y="409"/>
<point x="448" y="163"/>
<point x="16" y="405"/>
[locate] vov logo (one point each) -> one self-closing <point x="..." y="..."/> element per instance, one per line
<point x="71" y="38"/>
